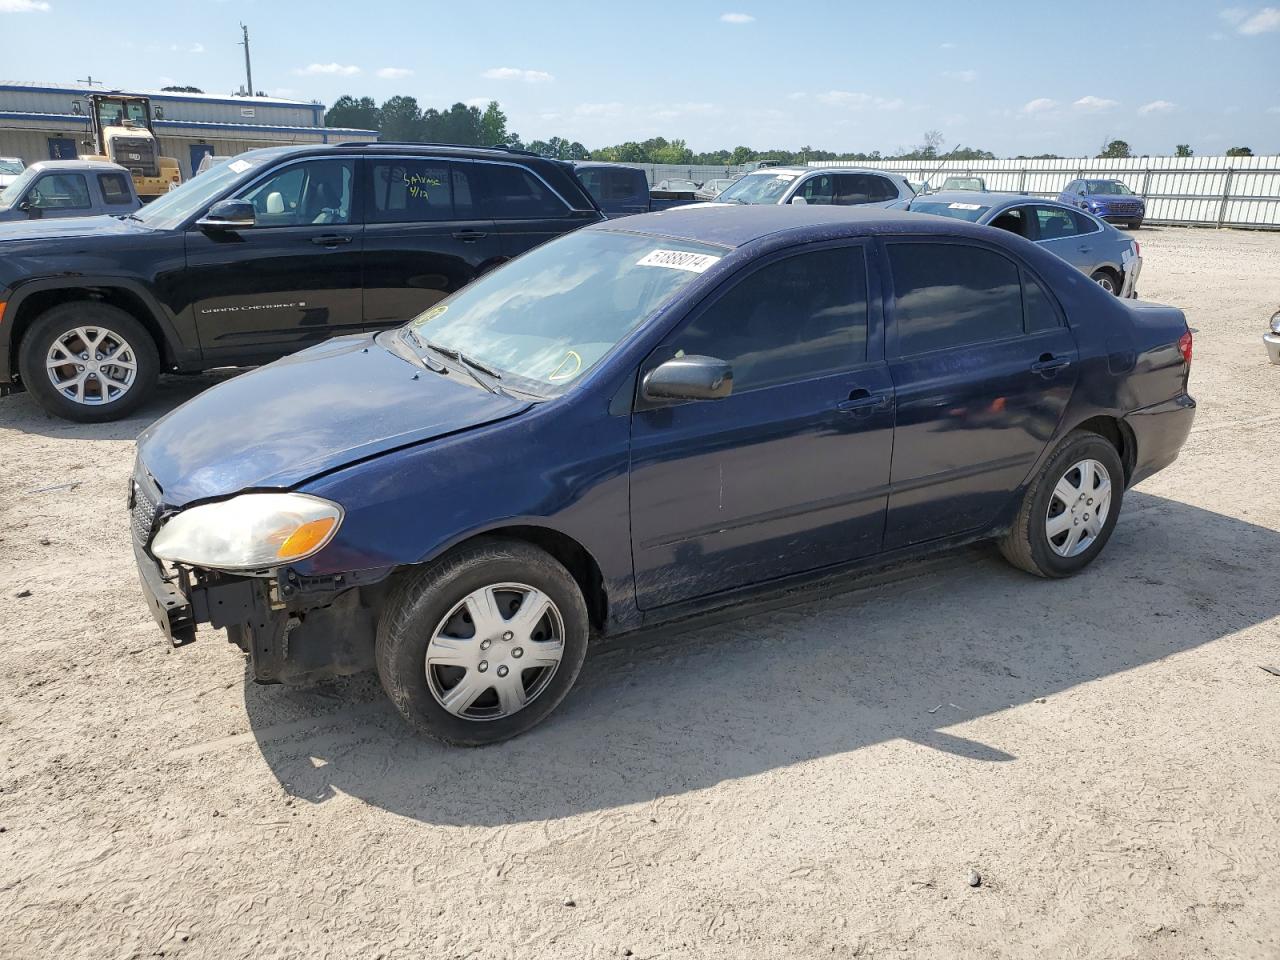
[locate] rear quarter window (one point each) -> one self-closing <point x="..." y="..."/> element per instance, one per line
<point x="514" y="193"/>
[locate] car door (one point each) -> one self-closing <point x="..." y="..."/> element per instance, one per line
<point x="58" y="195"/>
<point x="789" y="472"/>
<point x="982" y="367"/>
<point x="525" y="210"/>
<point x="817" y="189"/>
<point x="424" y="235"/>
<point x="1058" y="230"/>
<point x="290" y="280"/>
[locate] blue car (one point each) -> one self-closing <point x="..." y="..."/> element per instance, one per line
<point x="1109" y="199"/>
<point x="639" y="421"/>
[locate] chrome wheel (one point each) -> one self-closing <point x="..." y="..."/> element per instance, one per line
<point x="91" y="365"/>
<point x="1105" y="282"/>
<point x="1078" y="508"/>
<point x="495" y="652"/>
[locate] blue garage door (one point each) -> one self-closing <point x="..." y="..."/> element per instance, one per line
<point x="198" y="152"/>
<point x="62" y="148"/>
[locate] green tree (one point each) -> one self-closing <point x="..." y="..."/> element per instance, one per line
<point x="402" y="119"/>
<point x="1240" y="152"/>
<point x="493" y="125"/>
<point x="182" y="89"/>
<point x="1183" y="150"/>
<point x="1115" y="150"/>
<point x="347" y="111"/>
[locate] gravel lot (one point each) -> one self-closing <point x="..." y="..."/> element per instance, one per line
<point x="819" y="779"/>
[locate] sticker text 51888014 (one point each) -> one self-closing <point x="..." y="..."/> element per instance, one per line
<point x="677" y="260"/>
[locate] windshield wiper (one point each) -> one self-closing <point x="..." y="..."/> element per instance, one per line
<point x="470" y="364"/>
<point x="407" y="333"/>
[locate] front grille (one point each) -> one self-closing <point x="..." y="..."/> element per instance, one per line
<point x="144" y="499"/>
<point x="137" y="155"/>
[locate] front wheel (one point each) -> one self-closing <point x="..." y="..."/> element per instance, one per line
<point x="1069" y="509"/>
<point x="1135" y="224"/>
<point x="88" y="361"/>
<point x="483" y="644"/>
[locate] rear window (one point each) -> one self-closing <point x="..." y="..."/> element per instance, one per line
<point x="605" y="185"/>
<point x="115" y="188"/>
<point x="516" y="194"/>
<point x="955" y="210"/>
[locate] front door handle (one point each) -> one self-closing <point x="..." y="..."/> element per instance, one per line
<point x="861" y="402"/>
<point x="1048" y="364"/>
<point x="469" y="236"/>
<point x="1085" y="249"/>
<point x="330" y="240"/>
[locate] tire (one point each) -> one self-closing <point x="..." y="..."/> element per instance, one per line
<point x="427" y="615"/>
<point x="60" y="332"/>
<point x="1135" y="224"/>
<point x="1030" y="546"/>
<point x="1107" y="281"/>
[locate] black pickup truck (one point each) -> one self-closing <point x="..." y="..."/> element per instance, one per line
<point x="276" y="250"/>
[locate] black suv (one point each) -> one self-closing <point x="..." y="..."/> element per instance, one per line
<point x="262" y="256"/>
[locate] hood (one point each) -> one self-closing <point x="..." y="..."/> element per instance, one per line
<point x="315" y="411"/>
<point x="49" y="228"/>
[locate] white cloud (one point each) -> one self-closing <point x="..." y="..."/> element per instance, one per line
<point x="330" y="69"/>
<point x="24" y="6"/>
<point x="1251" y="22"/>
<point x="1039" y="105"/>
<point x="394" y="73"/>
<point x="947" y="46"/>
<point x="736" y="18"/>
<point x="612" y="109"/>
<point x="196" y="48"/>
<point x="1157" y="106"/>
<point x="1273" y="109"/>
<point x="515" y="73"/>
<point x="855" y="100"/>
<point x="964" y="76"/>
<point x="1095" y="104"/>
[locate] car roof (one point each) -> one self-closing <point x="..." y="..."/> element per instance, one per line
<point x="734" y="225"/>
<point x="103" y="165"/>
<point x="988" y="198"/>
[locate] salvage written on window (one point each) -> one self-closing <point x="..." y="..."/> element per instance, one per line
<point x="419" y="184"/>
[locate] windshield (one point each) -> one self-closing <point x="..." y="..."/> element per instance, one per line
<point x="173" y="208"/>
<point x="942" y="208"/>
<point x="546" y="318"/>
<point x="962" y="183"/>
<point x="10" y="167"/>
<point x="759" y="188"/>
<point x="1110" y="187"/>
<point x="10" y="194"/>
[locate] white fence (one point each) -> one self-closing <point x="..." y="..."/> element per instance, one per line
<point x="1192" y="191"/>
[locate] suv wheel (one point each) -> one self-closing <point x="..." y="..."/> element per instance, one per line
<point x="1069" y="510"/>
<point x="483" y="644"/>
<point x="88" y="361"/>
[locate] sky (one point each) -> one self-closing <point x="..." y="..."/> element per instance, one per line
<point x="1011" y="77"/>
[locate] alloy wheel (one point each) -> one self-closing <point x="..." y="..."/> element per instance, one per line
<point x="1078" y="508"/>
<point x="91" y="365"/>
<point x="495" y="652"/>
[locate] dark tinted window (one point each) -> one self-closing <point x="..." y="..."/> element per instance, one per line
<point x="949" y="295"/>
<point x="855" y="188"/>
<point x="60" y="191"/>
<point x="792" y="320"/>
<point x="1015" y="220"/>
<point x="115" y="188"/>
<point x="411" y="191"/>
<point x="1055" y="223"/>
<point x="516" y="194"/>
<point x="1084" y="223"/>
<point x="820" y="190"/>
<point x="1038" y="309"/>
<point x="607" y="185"/>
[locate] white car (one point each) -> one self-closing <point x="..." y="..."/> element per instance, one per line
<point x="1272" y="338"/>
<point x="834" y="186"/>
<point x="10" y="167"/>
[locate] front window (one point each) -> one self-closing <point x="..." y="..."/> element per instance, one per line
<point x="1110" y="188"/>
<point x="194" y="196"/>
<point x="314" y="191"/>
<point x="955" y="210"/>
<point x="546" y="318"/>
<point x="60" y="191"/>
<point x="759" y="188"/>
<point x="10" y="167"/>
<point x="14" y="191"/>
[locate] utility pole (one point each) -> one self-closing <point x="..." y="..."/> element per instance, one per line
<point x="248" y="70"/>
<point x="90" y="81"/>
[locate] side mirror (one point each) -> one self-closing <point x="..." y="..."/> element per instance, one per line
<point x="688" y="378"/>
<point x="31" y="210"/>
<point x="229" y="215"/>
<point x="800" y="201"/>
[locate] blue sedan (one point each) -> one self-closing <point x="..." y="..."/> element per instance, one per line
<point x="1094" y="247"/>
<point x="642" y="420"/>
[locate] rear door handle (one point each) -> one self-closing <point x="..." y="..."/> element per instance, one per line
<point x="1048" y="364"/>
<point x="469" y="236"/>
<point x="861" y="402"/>
<point x="1085" y="249"/>
<point x="330" y="240"/>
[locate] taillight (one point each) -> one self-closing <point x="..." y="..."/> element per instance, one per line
<point x="1137" y="249"/>
<point x="1184" y="346"/>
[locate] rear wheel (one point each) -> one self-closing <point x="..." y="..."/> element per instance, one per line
<point x="1107" y="281"/>
<point x="1069" y="511"/>
<point x="88" y="361"/>
<point x="483" y="644"/>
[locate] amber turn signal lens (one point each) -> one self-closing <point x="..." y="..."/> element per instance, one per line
<point x="307" y="538"/>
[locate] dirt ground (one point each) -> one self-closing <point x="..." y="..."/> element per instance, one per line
<point x="815" y="780"/>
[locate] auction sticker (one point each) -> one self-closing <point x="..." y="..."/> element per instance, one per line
<point x="964" y="206"/>
<point x="677" y="260"/>
<point x="239" y="166"/>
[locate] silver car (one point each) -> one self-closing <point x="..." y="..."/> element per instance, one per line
<point x="834" y="186"/>
<point x="1093" y="246"/>
<point x="1272" y="338"/>
<point x="69" y="188"/>
<point x="711" y="189"/>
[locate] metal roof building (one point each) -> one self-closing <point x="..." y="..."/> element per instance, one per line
<point x="42" y="121"/>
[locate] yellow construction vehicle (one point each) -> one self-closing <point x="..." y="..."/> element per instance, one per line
<point x="122" y="134"/>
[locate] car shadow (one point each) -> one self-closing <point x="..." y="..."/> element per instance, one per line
<point x="914" y="655"/>
<point x="21" y="412"/>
